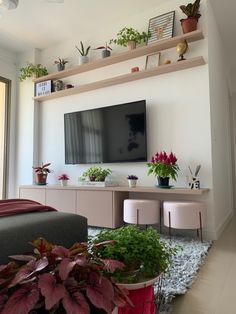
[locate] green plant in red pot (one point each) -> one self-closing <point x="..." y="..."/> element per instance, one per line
<point x="41" y="173"/>
<point x="192" y="11"/>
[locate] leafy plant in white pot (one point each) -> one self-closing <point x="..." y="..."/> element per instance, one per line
<point x="83" y="53"/>
<point x="63" y="178"/>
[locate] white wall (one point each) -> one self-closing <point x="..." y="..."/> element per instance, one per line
<point x="8" y="71"/>
<point x="220" y="126"/>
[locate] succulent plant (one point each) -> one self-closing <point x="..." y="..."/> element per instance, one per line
<point x="82" y="50"/>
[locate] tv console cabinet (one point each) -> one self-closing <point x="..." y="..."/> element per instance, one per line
<point x="103" y="206"/>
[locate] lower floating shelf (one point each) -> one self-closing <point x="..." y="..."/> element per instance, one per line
<point x="162" y="69"/>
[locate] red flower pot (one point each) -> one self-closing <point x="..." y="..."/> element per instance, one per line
<point x="189" y="24"/>
<point x="41" y="178"/>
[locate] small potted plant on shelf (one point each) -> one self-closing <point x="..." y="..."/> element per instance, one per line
<point x="31" y="69"/>
<point x="60" y="64"/>
<point x="142" y="252"/>
<point x="106" y="50"/>
<point x="41" y="173"/>
<point x="192" y="11"/>
<point x="96" y="173"/>
<point x="63" y="178"/>
<point x="129" y="36"/>
<point x="132" y="180"/>
<point x="83" y="53"/>
<point x="164" y="167"/>
<point x="54" y="279"/>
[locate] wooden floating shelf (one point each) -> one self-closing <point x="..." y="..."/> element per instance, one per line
<point x="162" y="69"/>
<point x="127" y="55"/>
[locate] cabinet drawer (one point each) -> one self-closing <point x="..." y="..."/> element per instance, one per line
<point x="62" y="200"/>
<point x="37" y="194"/>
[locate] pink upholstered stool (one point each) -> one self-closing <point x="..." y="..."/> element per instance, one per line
<point x="142" y="212"/>
<point x="184" y="215"/>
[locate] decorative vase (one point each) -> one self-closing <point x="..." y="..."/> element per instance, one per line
<point x="132" y="183"/>
<point x="83" y="59"/>
<point x="163" y="181"/>
<point x="64" y="182"/>
<point x="131" y="45"/>
<point x="41" y="178"/>
<point x="189" y="24"/>
<point x="106" y="53"/>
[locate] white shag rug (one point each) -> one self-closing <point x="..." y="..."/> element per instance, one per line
<point x="184" y="268"/>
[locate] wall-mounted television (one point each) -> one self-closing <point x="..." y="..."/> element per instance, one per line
<point x="106" y="135"/>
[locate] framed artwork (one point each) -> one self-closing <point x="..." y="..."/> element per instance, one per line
<point x="43" y="88"/>
<point x="152" y="60"/>
<point x="161" y="27"/>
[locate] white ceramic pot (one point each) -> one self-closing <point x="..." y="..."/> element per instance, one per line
<point x="64" y="182"/>
<point x="83" y="59"/>
<point x="132" y="183"/>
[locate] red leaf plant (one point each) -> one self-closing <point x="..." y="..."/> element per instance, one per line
<point x="55" y="279"/>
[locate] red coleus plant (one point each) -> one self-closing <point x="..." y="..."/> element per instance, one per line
<point x="163" y="165"/>
<point x="59" y="280"/>
<point x="63" y="177"/>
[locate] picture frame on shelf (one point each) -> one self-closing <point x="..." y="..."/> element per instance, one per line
<point x="43" y="88"/>
<point x="161" y="27"/>
<point x="152" y="60"/>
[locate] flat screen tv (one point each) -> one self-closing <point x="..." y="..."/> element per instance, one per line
<point x="106" y="135"/>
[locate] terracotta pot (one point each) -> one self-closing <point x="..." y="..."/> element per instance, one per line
<point x="131" y="45"/>
<point x="41" y="178"/>
<point x="189" y="24"/>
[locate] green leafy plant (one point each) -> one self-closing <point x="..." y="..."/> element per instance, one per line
<point x="127" y="34"/>
<point x="58" y="280"/>
<point x="163" y="165"/>
<point x="61" y="61"/>
<point x="144" y="255"/>
<point x="96" y="173"/>
<point x="42" y="169"/>
<point x="82" y="50"/>
<point x="191" y="9"/>
<point x="32" y="69"/>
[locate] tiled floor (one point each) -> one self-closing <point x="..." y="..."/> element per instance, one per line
<point x="214" y="291"/>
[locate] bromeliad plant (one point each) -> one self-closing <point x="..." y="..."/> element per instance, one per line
<point x="163" y="165"/>
<point x="59" y="280"/>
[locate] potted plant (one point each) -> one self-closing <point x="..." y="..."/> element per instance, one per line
<point x="192" y="11"/>
<point x="55" y="279"/>
<point x="96" y="173"/>
<point x="83" y="53"/>
<point x="63" y="178"/>
<point x="132" y="180"/>
<point x="31" y="70"/>
<point x="164" y="167"/>
<point x="41" y="173"/>
<point x="60" y="64"/>
<point x="129" y="36"/>
<point x="144" y="255"/>
<point x="106" y="50"/>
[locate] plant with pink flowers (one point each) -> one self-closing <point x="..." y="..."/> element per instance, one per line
<point x="63" y="177"/>
<point x="163" y="165"/>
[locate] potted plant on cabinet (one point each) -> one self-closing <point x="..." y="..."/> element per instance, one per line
<point x="63" y="178"/>
<point x="96" y="173"/>
<point x="145" y="258"/>
<point x="32" y="69"/>
<point x="41" y="173"/>
<point x="129" y="36"/>
<point x="132" y="180"/>
<point x="60" y="64"/>
<point x="192" y="11"/>
<point x="83" y="53"/>
<point x="106" y="50"/>
<point x="164" y="167"/>
<point x="55" y="279"/>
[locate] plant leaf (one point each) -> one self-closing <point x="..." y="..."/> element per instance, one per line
<point x="24" y="258"/>
<point x="3" y="299"/>
<point x="61" y="251"/>
<point x="111" y="265"/>
<point x="51" y="290"/>
<point x="100" y="292"/>
<point x="22" y="301"/>
<point x="75" y="304"/>
<point x="65" y="268"/>
<point x="42" y="245"/>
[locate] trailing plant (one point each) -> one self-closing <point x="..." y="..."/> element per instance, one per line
<point x="191" y="9"/>
<point x="61" y="61"/>
<point x="42" y="169"/>
<point x="55" y="279"/>
<point x="96" y="173"/>
<point x="32" y="69"/>
<point x="127" y="34"/>
<point x="163" y="165"/>
<point x="145" y="256"/>
<point x="82" y="50"/>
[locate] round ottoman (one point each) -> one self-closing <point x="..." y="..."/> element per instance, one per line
<point x="184" y="215"/>
<point x="142" y="212"/>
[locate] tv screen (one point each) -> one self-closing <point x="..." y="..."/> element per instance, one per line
<point x="106" y="135"/>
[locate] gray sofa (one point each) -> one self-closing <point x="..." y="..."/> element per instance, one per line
<point x="16" y="232"/>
